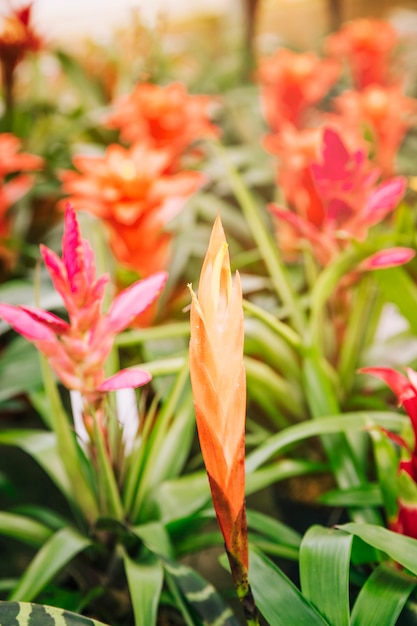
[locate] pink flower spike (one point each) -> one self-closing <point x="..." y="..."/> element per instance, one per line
<point x="125" y="379"/>
<point x="133" y="301"/>
<point x="384" y="259"/>
<point x="25" y="324"/>
<point x="73" y="249"/>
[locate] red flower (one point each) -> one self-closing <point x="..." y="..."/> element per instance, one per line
<point x="367" y="44"/>
<point x="388" y="115"/>
<point x="165" y="117"/>
<point x="131" y="191"/>
<point x="351" y="202"/>
<point x="293" y="82"/>
<point x="405" y="388"/>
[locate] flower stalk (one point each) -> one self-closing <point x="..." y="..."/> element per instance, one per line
<point x="219" y="389"/>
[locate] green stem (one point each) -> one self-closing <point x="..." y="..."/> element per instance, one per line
<point x="265" y="243"/>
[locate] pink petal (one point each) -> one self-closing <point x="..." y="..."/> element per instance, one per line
<point x="125" y="379"/>
<point x="133" y="300"/>
<point x="53" y="322"/>
<point x="25" y="324"/>
<point x="388" y="258"/>
<point x="56" y="270"/>
<point x="72" y="248"/>
<point x="383" y="200"/>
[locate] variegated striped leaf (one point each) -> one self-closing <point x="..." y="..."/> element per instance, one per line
<point x="28" y="614"/>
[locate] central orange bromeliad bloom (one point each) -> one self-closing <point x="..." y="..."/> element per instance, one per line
<point x="219" y="389"/>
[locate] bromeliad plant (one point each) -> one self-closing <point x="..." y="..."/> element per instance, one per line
<point x="107" y="465"/>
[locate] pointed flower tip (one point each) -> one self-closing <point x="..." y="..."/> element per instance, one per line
<point x="126" y="379"/>
<point x="393" y="257"/>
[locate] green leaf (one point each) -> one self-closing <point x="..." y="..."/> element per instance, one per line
<point x="55" y="554"/>
<point x="382" y="597"/>
<point x="401" y="549"/>
<point x="279" y="601"/>
<point x="386" y="461"/>
<point x="399" y="288"/>
<point x="324" y="572"/>
<point x="325" y="425"/>
<point x="19" y="369"/>
<point x="24" y="529"/>
<point x="67" y="446"/>
<point x="364" y="495"/>
<point x="201" y="595"/>
<point x="42" y="447"/>
<point x="280" y="470"/>
<point x="27" y="614"/>
<point x="109" y="496"/>
<point x="145" y="585"/>
<point x="183" y="496"/>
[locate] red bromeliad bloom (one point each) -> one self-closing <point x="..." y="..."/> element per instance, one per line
<point x="11" y="162"/>
<point x="388" y="114"/>
<point x="17" y="37"/>
<point x="165" y="117"/>
<point x="367" y="44"/>
<point x="291" y="83"/>
<point x="219" y="390"/>
<point x="405" y="388"/>
<point x="351" y="202"/>
<point x="131" y="191"/>
<point x="78" y="349"/>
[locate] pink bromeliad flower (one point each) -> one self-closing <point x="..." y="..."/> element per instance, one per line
<point x="405" y="388"/>
<point x="77" y="349"/>
<point x="350" y="200"/>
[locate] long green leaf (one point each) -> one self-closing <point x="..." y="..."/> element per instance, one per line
<point x="279" y="601"/>
<point x="201" y="595"/>
<point x="24" y="529"/>
<point x="28" y="614"/>
<point x="325" y="425"/>
<point x="145" y="585"/>
<point x="324" y="572"/>
<point x="382" y="597"/>
<point x="401" y="549"/>
<point x="42" y="447"/>
<point x="56" y="553"/>
<point x="265" y="243"/>
<point x="81" y="489"/>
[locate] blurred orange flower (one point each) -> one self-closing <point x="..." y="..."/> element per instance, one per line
<point x="367" y="44"/>
<point x="292" y="82"/>
<point x="131" y="191"/>
<point x="219" y="389"/>
<point x="166" y="117"/>
<point x="11" y="162"/>
<point x="387" y="112"/>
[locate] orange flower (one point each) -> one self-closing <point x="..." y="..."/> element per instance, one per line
<point x="291" y="82"/>
<point x="219" y="389"/>
<point x="167" y="117"/>
<point x="368" y="45"/>
<point x="387" y="112"/>
<point x="130" y="190"/>
<point x="11" y="162"/>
